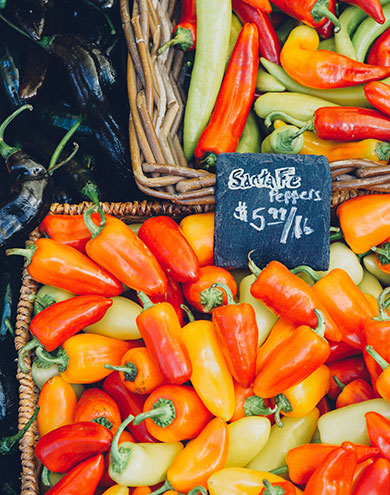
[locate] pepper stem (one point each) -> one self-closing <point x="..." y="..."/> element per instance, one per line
<point x="90" y="224"/>
<point x="308" y="270"/>
<point x="61" y="360"/>
<point x="91" y="192"/>
<point x="227" y="289"/>
<point x="321" y="10"/>
<point x="252" y="265"/>
<point x="383" y="316"/>
<point x="120" y="456"/>
<point x="164" y="488"/>
<point x="272" y="489"/>
<point x="211" y="298"/>
<point x="280" y="470"/>
<point x="130" y="370"/>
<point x="145" y="300"/>
<point x="163" y="413"/>
<point x="45" y="476"/>
<point x="6" y="443"/>
<point x="28" y="252"/>
<point x="339" y="383"/>
<point x="33" y="344"/>
<point x="282" y="404"/>
<point x="208" y="161"/>
<point x="303" y="129"/>
<point x="336" y="234"/>
<point x="287" y="118"/>
<point x="188" y="312"/>
<point x="102" y="420"/>
<point x="5" y="150"/>
<point x="255" y="406"/>
<point x="383" y="253"/>
<point x="182" y="37"/>
<point x="105" y="15"/>
<point x="62" y="144"/>
<point x="378" y="358"/>
<point x="198" y="489"/>
<point x="321" y="325"/>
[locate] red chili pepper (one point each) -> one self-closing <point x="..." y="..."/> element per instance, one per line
<point x="234" y="100"/>
<point x="354" y="392"/>
<point x="296" y="359"/>
<point x="116" y="248"/>
<point x="334" y="473"/>
<point x="237" y="333"/>
<point x="263" y="5"/>
<point x="380" y="51"/>
<point x="314" y="13"/>
<point x="61" y="320"/>
<point x="373" y="8"/>
<point x="52" y="263"/>
<point x="277" y="487"/>
<point x="83" y="478"/>
<point x="378" y="428"/>
<point x="174" y="296"/>
<point x="128" y="403"/>
<point x="162" y="235"/>
<point x="290" y="297"/>
<point x="346" y="370"/>
<point x="340" y="350"/>
<point x="62" y="449"/>
<point x="185" y="30"/>
<point x="327" y="28"/>
<point x="161" y="331"/>
<point x="377" y="330"/>
<point x="269" y="43"/>
<point x="375" y="479"/>
<point x="378" y="93"/>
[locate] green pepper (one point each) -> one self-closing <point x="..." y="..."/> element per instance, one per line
<point x="348" y="423"/>
<point x="349" y="21"/>
<point x="250" y="137"/>
<point x="235" y="30"/>
<point x="367" y="33"/>
<point x="371" y="265"/>
<point x="295" y="432"/>
<point x="287" y="139"/>
<point x="370" y="284"/>
<point x="48" y="295"/>
<point x="328" y="44"/>
<point x="353" y="96"/>
<point x="140" y="464"/>
<point x="247" y="437"/>
<point x="212" y="43"/>
<point x="265" y="318"/>
<point x="266" y="82"/>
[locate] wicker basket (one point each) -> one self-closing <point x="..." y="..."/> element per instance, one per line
<point x="28" y="393"/>
<point x="157" y="98"/>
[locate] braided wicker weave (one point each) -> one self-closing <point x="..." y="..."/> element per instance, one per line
<point x="28" y="393"/>
<point x="157" y="98"/>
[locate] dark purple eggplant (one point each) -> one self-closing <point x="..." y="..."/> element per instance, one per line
<point x="29" y="15"/>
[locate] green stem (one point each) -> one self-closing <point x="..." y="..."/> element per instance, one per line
<point x="164" y="488"/>
<point x="120" y="456"/>
<point x="6" y="443"/>
<point x="145" y="300"/>
<point x="5" y="150"/>
<point x="105" y="15"/>
<point x="383" y="316"/>
<point x="45" y="477"/>
<point x="282" y="404"/>
<point x="45" y="42"/>
<point x="61" y="360"/>
<point x="188" y="312"/>
<point x="309" y="126"/>
<point x="28" y="252"/>
<point x="102" y="420"/>
<point x="255" y="406"/>
<point x="9" y="326"/>
<point x="321" y="10"/>
<point x="61" y="145"/>
<point x="252" y="265"/>
<point x="211" y="298"/>
<point x="91" y="192"/>
<point x="308" y="270"/>
<point x="280" y="470"/>
<point x="227" y="289"/>
<point x="198" y="489"/>
<point x="339" y="383"/>
<point x="378" y="358"/>
<point x="336" y="234"/>
<point x="321" y="325"/>
<point x="90" y="224"/>
<point x="208" y="161"/>
<point x="33" y="344"/>
<point x="272" y="489"/>
<point x="163" y="413"/>
<point x="182" y="37"/>
<point x="130" y="370"/>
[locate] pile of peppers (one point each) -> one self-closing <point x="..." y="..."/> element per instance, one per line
<point x="322" y="85"/>
<point x="162" y="373"/>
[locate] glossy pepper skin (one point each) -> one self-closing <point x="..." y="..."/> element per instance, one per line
<point x="234" y="100"/>
<point x="61" y="320"/>
<point x="198" y="229"/>
<point x="356" y="391"/>
<point x="279" y="333"/>
<point x="378" y="428"/>
<point x="174" y="296"/>
<point x="346" y="370"/>
<point x="378" y="93"/>
<point x="162" y="235"/>
<point x="311" y="12"/>
<point x="63" y="448"/>
<point x="269" y="44"/>
<point x="97" y="406"/>
<point x="323" y="69"/>
<point x="273" y="488"/>
<point x="173" y="413"/>
<point x="62" y="266"/>
<point x="371" y="7"/>
<point x="380" y="51"/>
<point x="382" y="384"/>
<point x="291" y="298"/>
<point x="375" y="479"/>
<point x="300" y="355"/>
<point x="116" y="248"/>
<point x="83" y="478"/>
<point x="377" y="329"/>
<point x="184" y="33"/>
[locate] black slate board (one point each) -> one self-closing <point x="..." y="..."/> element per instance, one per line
<point x="277" y="205"/>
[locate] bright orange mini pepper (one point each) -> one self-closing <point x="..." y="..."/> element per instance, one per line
<point x="96" y="405"/>
<point x="383" y="382"/>
<point x="118" y="490"/>
<point x="198" y="229"/>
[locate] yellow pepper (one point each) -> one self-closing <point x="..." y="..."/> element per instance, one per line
<point x="210" y="376"/>
<point x="240" y="481"/>
<point x="295" y="431"/>
<point x="117" y="490"/>
<point x="247" y="437"/>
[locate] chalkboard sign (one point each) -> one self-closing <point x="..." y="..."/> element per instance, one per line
<point x="276" y="205"/>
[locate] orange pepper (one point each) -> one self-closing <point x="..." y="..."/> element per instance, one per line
<point x="279" y="333"/>
<point x="263" y="5"/>
<point x="96" y="405"/>
<point x="57" y="401"/>
<point x="241" y="393"/>
<point x="203" y="456"/>
<point x="142" y="490"/>
<point x="198" y="229"/>
<point x="139" y="371"/>
<point x="383" y="382"/>
<point x="117" y="490"/>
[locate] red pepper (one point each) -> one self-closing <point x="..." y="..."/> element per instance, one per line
<point x="378" y="93"/>
<point x="377" y="330"/>
<point x="162" y="235"/>
<point x="97" y="406"/>
<point x="378" y="428"/>
<point x="174" y="296"/>
<point x="185" y="30"/>
<point x="354" y="392"/>
<point x="314" y="13"/>
<point x="374" y="370"/>
<point x="62" y="449"/>
<point x="241" y="394"/>
<point x="296" y="359"/>
<point x="326" y="30"/>
<point x="84" y="478"/>
<point x="116" y="248"/>
<point x="375" y="479"/>
<point x="61" y="320"/>
<point x="335" y="474"/>
<point x="359" y="471"/>
<point x="237" y="333"/>
<point x="346" y="370"/>
<point x="234" y="100"/>
<point x="263" y="5"/>
<point x="128" y="403"/>
<point x="341" y="350"/>
<point x="373" y="8"/>
<point x="290" y="297"/>
<point x="161" y="331"/>
<point x="269" y="43"/>
<point x="323" y="406"/>
<point x="52" y="263"/>
<point x="380" y="52"/>
<point x="382" y="383"/>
